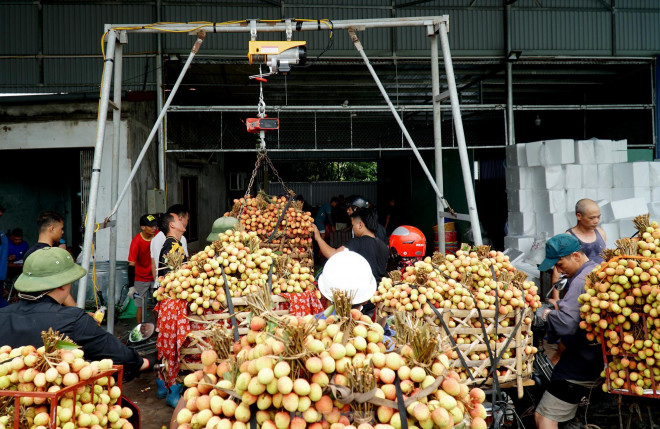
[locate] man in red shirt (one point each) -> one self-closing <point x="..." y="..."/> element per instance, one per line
<point x="139" y="262"/>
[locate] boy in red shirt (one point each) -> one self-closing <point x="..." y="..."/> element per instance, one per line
<point x="139" y="262"/>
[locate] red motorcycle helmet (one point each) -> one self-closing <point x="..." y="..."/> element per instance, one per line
<point x="408" y="242"/>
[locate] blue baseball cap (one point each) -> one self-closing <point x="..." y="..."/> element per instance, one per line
<point x="557" y="247"/>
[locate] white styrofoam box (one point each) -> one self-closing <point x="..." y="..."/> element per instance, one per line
<point x="626" y="227"/>
<point x="621" y="150"/>
<point x="550" y="177"/>
<point x="591" y="193"/>
<point x="520" y="200"/>
<point x="655" y="194"/>
<point x="654" y="210"/>
<point x="590" y="176"/>
<point x="622" y="193"/>
<point x="572" y="197"/>
<point x="520" y="242"/>
<point x="533" y="153"/>
<point x="604" y="151"/>
<point x="551" y="201"/>
<point x="584" y="152"/>
<point x="573" y="176"/>
<point x="654" y="174"/>
<point x="552" y="223"/>
<point x="556" y="152"/>
<point x="631" y="174"/>
<point x="605" y="175"/>
<point x="521" y="223"/>
<point x="611" y="234"/>
<point x="643" y="192"/>
<point x="518" y="178"/>
<point x="622" y="209"/>
<point x="516" y="155"/>
<point x="605" y="194"/>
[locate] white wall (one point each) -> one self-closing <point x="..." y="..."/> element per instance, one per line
<point x="82" y="134"/>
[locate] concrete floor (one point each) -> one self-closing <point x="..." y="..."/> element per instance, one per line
<point x="154" y="412"/>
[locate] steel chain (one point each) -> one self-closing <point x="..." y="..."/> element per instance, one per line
<point x="279" y="179"/>
<point x="260" y="155"/>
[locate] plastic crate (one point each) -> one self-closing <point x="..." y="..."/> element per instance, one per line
<point x="54" y="397"/>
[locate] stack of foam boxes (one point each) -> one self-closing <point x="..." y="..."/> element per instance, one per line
<point x="545" y="179"/>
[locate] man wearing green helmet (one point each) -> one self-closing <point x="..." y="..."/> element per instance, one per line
<point x="43" y="288"/>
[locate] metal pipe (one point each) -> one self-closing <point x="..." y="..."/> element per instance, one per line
<point x="114" y="184"/>
<point x="138" y="161"/>
<point x="159" y="102"/>
<point x="412" y="108"/>
<point x="90" y="219"/>
<point x="460" y="136"/>
<point x="279" y="27"/>
<point x="376" y="149"/>
<point x="358" y="46"/>
<point x="511" y="135"/>
<point x="437" y="137"/>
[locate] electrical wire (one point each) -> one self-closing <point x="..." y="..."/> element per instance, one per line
<point x="331" y="40"/>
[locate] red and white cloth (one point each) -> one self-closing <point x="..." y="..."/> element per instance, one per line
<point x="173" y="327"/>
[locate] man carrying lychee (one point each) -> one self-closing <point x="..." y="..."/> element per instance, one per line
<point x="581" y="362"/>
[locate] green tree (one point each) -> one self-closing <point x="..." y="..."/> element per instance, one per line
<point x="328" y="171"/>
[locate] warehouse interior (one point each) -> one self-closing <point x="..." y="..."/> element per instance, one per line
<point x="568" y="80"/>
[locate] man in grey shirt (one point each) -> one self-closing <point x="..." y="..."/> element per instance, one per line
<point x="581" y="362"/>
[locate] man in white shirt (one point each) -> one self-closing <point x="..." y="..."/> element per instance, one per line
<point x="156" y="245"/>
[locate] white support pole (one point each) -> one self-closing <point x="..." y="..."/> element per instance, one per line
<point x="437" y="135"/>
<point x="360" y="49"/>
<point x="116" y="141"/>
<point x="138" y="161"/>
<point x="90" y="219"/>
<point x="460" y="136"/>
<point x="159" y="103"/>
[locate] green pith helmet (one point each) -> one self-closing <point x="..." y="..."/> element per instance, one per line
<point x="47" y="269"/>
<point x="221" y="224"/>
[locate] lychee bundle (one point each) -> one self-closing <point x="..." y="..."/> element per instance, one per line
<point x="293" y="233"/>
<point x="51" y="369"/>
<point x="620" y="309"/>
<point x="300" y="372"/>
<point x="461" y="288"/>
<point x="245" y="264"/>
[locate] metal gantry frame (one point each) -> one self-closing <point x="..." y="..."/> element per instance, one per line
<point x="436" y="28"/>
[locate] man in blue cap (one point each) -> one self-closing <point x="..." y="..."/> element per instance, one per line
<point x="581" y="362"/>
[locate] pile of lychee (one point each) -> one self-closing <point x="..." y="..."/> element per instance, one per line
<point x="287" y="381"/>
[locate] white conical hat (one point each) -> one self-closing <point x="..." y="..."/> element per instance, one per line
<point x="348" y="271"/>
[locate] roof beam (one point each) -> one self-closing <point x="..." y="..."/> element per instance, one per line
<point x="410" y="3"/>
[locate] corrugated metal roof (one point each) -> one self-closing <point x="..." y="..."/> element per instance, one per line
<point x="20" y="32"/>
<point x="376" y="41"/>
<point x="19" y="73"/>
<point x="84" y="74"/>
<point x="561" y="31"/>
<point x="469" y="30"/>
<point x="77" y="29"/>
<point x="638" y="31"/>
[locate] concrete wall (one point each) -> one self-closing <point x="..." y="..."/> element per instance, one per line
<point x="41" y="146"/>
<point x="211" y="190"/>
